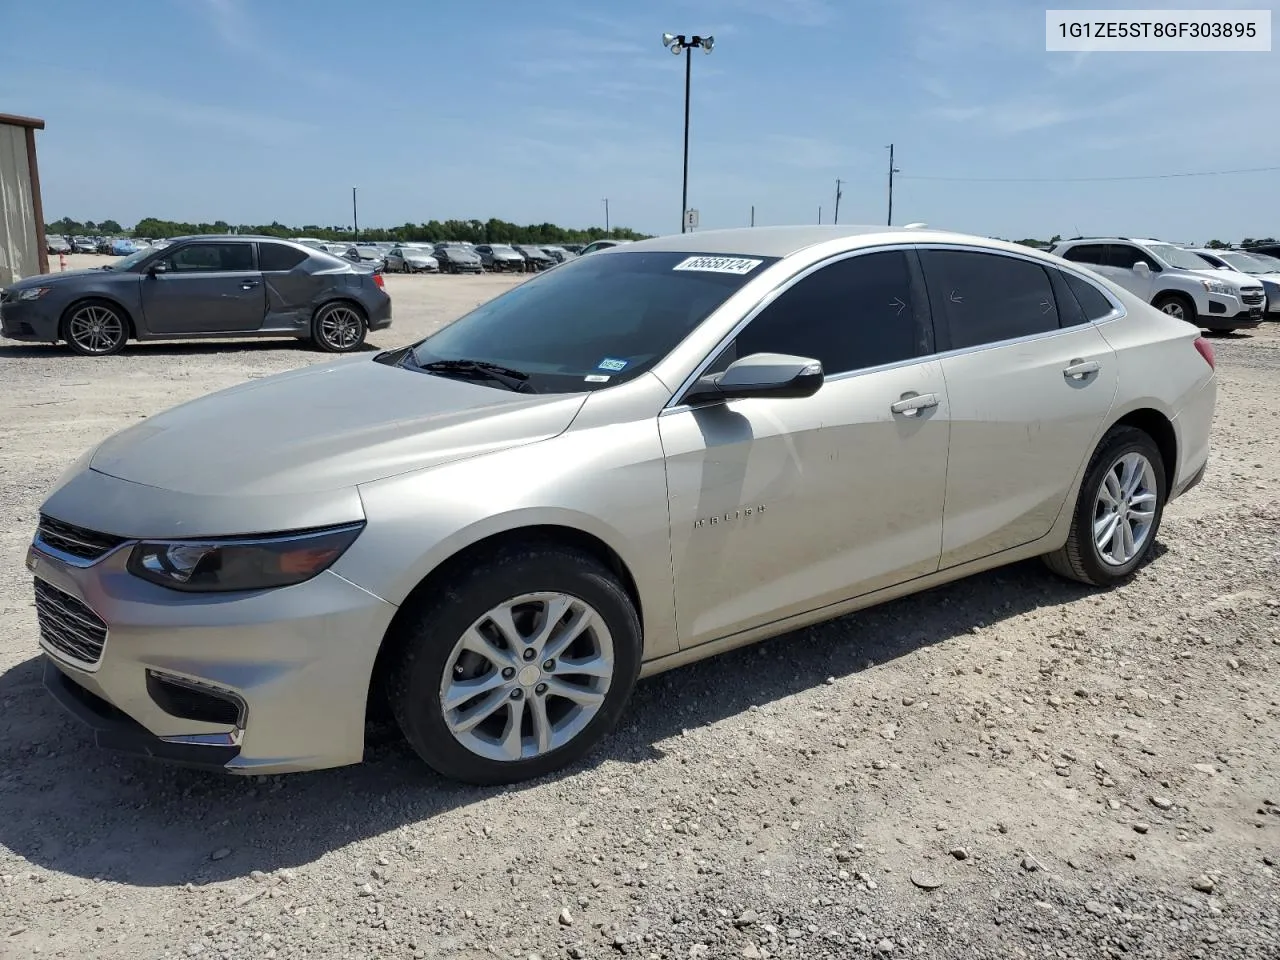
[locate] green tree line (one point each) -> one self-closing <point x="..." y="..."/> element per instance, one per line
<point x="474" y="231"/>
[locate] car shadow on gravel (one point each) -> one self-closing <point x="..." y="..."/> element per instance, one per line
<point x="175" y="348"/>
<point x="67" y="806"/>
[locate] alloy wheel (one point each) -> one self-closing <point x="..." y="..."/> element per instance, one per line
<point x="527" y="677"/>
<point x="1125" y="509"/>
<point x="1174" y="308"/>
<point x="341" y="328"/>
<point x="96" y="329"/>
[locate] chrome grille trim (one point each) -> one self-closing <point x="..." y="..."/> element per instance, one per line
<point x="77" y="546"/>
<point x="68" y="628"/>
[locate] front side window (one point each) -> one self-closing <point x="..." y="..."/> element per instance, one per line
<point x="598" y="322"/>
<point x="1124" y="256"/>
<point x="859" y="312"/>
<point x="211" y="258"/>
<point x="988" y="297"/>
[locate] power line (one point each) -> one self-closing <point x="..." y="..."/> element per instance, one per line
<point x="1145" y="176"/>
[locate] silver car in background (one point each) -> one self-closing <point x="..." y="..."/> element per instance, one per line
<point x="644" y="457"/>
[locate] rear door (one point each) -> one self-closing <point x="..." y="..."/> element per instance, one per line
<point x="1030" y="382"/>
<point x="207" y="287"/>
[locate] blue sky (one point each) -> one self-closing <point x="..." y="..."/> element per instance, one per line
<point x="260" y="110"/>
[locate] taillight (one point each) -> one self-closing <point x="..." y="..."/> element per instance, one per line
<point x="1206" y="350"/>
<point x="377" y="278"/>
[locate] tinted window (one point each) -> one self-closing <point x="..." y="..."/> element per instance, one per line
<point x="855" y="313"/>
<point x="1091" y="299"/>
<point x="212" y="257"/>
<point x="1086" y="253"/>
<point x="276" y="256"/>
<point x="596" y="322"/>
<point x="1125" y="256"/>
<point x="987" y="297"/>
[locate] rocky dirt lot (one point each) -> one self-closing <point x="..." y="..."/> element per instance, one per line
<point x="1010" y="766"/>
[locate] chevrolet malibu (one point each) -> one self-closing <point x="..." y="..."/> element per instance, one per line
<point x="650" y="455"/>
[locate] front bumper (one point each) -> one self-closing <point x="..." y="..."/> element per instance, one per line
<point x="298" y="660"/>
<point x="28" y="320"/>
<point x="1229" y="312"/>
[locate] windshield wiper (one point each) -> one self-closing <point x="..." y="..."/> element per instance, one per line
<point x="511" y="379"/>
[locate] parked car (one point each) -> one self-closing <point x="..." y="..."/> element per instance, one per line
<point x="122" y="247"/>
<point x="56" y="245"/>
<point x="634" y="461"/>
<point x="203" y="286"/>
<point x="84" y="245"/>
<point x="535" y="257"/>
<point x="1259" y="266"/>
<point x="500" y="257"/>
<point x="368" y="256"/>
<point x="411" y="259"/>
<point x="103" y="245"/>
<point x="601" y="245"/>
<point x="456" y="258"/>
<point x="558" y="254"/>
<point x="574" y="247"/>
<point x="1269" y="249"/>
<point x="1172" y="279"/>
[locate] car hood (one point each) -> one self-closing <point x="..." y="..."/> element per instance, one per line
<point x="48" y="279"/>
<point x="462" y="256"/>
<point x="418" y="257"/>
<point x="326" y="427"/>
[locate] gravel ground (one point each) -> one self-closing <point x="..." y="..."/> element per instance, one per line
<point x="1010" y="766"/>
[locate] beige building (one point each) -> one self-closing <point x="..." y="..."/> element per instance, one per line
<point x="22" y="245"/>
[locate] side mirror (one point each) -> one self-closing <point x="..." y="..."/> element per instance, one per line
<point x="760" y="375"/>
<point x="1141" y="269"/>
<point x="158" y="267"/>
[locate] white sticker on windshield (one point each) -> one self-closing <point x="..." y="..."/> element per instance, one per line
<point x="595" y="378"/>
<point x="738" y="265"/>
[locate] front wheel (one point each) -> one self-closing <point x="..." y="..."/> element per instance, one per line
<point x="95" y="329"/>
<point x="1176" y="306"/>
<point x="1117" y="512"/>
<point x="339" y="328"/>
<point x="517" y="667"/>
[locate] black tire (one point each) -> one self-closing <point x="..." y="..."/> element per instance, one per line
<point x="110" y="322"/>
<point x="1079" y="558"/>
<point x="426" y="637"/>
<point x="1177" y="305"/>
<point x="339" y="327"/>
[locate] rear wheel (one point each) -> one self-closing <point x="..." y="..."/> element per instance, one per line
<point x="95" y="328"/>
<point x="1117" y="512"/>
<point x="516" y="667"/>
<point x="339" y="328"/>
<point x="1176" y="305"/>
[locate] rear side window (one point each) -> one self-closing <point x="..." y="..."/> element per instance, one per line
<point x="276" y="256"/>
<point x="1086" y="253"/>
<point x="1092" y="300"/>
<point x="859" y="312"/>
<point x="988" y="297"/>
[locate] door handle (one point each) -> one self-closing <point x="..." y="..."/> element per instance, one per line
<point x="1079" y="369"/>
<point x="912" y="405"/>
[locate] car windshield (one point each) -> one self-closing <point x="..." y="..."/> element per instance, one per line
<point x="501" y="248"/>
<point x="132" y="260"/>
<point x="596" y="322"/>
<point x="1246" y="264"/>
<point x="1179" y="257"/>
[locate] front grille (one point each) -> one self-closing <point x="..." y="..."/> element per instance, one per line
<point x="76" y="541"/>
<point x="68" y="626"/>
<point x="1252" y="297"/>
<point x="7" y="296"/>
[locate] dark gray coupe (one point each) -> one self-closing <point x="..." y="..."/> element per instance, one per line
<point x="201" y="287"/>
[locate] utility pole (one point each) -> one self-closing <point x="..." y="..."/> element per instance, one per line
<point x="753" y="214"/>
<point x="819" y="216"/>
<point x="836" y="218"/>
<point x="355" y="215"/>
<point x="892" y="171"/>
<point x="606" y="216"/>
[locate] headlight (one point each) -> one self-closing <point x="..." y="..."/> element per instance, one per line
<point x="241" y="563"/>
<point x="33" y="293"/>
<point x="1217" y="286"/>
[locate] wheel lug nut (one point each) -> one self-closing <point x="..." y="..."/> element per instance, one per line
<point x="508" y="673"/>
<point x="530" y="653"/>
<point x="540" y="688"/>
<point x="549" y="666"/>
<point x="517" y="694"/>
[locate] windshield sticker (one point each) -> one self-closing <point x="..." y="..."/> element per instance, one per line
<point x="596" y="378"/>
<point x="608" y="363"/>
<point x="736" y="265"/>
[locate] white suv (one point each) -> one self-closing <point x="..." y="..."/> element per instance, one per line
<point x="1172" y="279"/>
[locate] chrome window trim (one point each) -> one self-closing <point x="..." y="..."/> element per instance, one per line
<point x="1118" y="311"/>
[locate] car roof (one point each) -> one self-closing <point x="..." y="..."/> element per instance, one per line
<point x="237" y="236"/>
<point x="785" y="241"/>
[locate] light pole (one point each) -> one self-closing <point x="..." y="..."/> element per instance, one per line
<point x="892" y="171"/>
<point x="606" y="216"/>
<point x="676" y="43"/>
<point x="355" y="215"/>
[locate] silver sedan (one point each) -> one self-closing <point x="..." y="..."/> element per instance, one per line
<point x="644" y="457"/>
<point x="410" y="259"/>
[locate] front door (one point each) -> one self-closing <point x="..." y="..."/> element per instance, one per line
<point x="781" y="506"/>
<point x="1030" y="382"/>
<point x="207" y="287"/>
